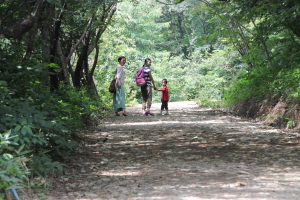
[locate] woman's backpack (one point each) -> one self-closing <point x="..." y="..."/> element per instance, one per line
<point x="139" y="77"/>
<point x="112" y="86"/>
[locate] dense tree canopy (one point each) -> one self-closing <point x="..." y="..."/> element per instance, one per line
<point x="57" y="59"/>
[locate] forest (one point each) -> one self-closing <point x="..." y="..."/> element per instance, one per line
<point x="57" y="58"/>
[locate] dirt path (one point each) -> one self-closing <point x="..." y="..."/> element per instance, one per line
<point x="191" y="154"/>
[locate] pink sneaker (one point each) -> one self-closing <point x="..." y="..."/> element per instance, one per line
<point x="147" y="112"/>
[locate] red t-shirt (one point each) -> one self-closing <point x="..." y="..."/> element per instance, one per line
<point x="165" y="94"/>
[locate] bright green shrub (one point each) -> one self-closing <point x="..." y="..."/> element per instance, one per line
<point x="262" y="83"/>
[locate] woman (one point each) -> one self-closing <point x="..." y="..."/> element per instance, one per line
<point x="119" y="96"/>
<point x="147" y="88"/>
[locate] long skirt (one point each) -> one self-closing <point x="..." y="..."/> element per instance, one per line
<point x="119" y="99"/>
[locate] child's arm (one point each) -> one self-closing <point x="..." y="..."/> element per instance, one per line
<point x="162" y="89"/>
<point x="152" y="80"/>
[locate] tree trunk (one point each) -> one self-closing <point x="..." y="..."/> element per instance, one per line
<point x="81" y="62"/>
<point x="32" y="36"/>
<point x="46" y="50"/>
<point x="57" y="50"/>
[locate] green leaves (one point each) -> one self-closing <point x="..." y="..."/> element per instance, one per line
<point x="43" y="165"/>
<point x="12" y="170"/>
<point x="6" y="139"/>
<point x="290" y="124"/>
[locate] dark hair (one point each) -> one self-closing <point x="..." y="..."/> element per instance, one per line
<point x="146" y="60"/>
<point x="120" y="58"/>
<point x="165" y="80"/>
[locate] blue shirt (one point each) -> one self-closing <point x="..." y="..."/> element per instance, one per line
<point x="147" y="70"/>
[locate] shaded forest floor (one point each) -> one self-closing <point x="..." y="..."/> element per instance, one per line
<point x="191" y="154"/>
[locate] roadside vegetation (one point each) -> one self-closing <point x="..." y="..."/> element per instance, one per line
<point x="57" y="60"/>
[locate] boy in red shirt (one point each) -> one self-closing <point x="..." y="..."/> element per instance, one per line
<point x="164" y="97"/>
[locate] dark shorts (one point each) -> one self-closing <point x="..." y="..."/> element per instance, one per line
<point x="164" y="105"/>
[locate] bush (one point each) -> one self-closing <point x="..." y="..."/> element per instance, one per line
<point x="13" y="171"/>
<point x="42" y="123"/>
<point x="265" y="82"/>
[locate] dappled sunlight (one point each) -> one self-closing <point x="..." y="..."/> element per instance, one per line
<point x="120" y="173"/>
<point x="211" y="184"/>
<point x="167" y="122"/>
<point x="191" y="156"/>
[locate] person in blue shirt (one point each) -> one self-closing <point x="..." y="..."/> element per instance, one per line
<point x="147" y="88"/>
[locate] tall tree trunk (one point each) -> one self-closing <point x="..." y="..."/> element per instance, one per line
<point x="106" y="19"/>
<point x="81" y="63"/>
<point x="86" y="57"/>
<point x="77" y="74"/>
<point x="91" y="82"/>
<point x="46" y="48"/>
<point x="180" y="21"/>
<point x="57" y="50"/>
<point x="54" y="76"/>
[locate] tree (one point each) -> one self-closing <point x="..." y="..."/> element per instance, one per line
<point x="68" y="31"/>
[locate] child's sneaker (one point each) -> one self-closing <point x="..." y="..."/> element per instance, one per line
<point x="159" y="114"/>
<point x="166" y="114"/>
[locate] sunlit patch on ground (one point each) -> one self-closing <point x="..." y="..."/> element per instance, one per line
<point x="191" y="154"/>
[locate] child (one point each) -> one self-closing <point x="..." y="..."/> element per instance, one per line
<point x="164" y="97"/>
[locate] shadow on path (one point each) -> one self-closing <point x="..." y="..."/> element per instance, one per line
<point x="191" y="154"/>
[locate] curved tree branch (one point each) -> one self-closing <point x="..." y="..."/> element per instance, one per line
<point x="22" y="27"/>
<point x="81" y="38"/>
<point x="106" y="19"/>
<point x="230" y="17"/>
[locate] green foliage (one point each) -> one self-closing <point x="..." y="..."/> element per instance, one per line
<point x="35" y="122"/>
<point x="287" y="84"/>
<point x="32" y="128"/>
<point x="265" y="82"/>
<point x="43" y="165"/>
<point x="202" y="77"/>
<point x="12" y="163"/>
<point x="12" y="172"/>
<point x="252" y="84"/>
<point x="290" y="124"/>
<point x="213" y="52"/>
<point x="268" y="43"/>
<point x="41" y="127"/>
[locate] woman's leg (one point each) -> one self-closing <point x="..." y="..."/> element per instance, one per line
<point x="149" y="98"/>
<point x="145" y="97"/>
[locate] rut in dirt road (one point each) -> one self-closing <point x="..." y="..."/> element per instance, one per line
<point x="193" y="153"/>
